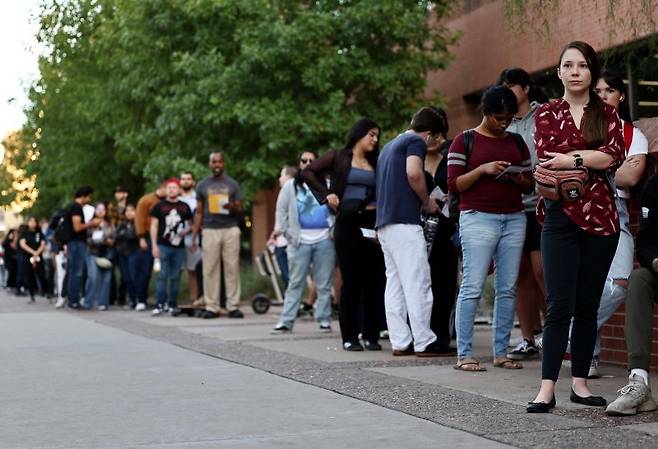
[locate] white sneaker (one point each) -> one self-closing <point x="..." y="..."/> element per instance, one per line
<point x="325" y="326"/>
<point x="140" y="307"/>
<point x="633" y="398"/>
<point x="102" y="308"/>
<point x="158" y="310"/>
<point x="61" y="302"/>
<point x="539" y="340"/>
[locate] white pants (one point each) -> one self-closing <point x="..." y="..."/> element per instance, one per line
<point x="408" y="286"/>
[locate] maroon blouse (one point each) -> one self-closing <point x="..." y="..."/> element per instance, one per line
<point x="556" y="132"/>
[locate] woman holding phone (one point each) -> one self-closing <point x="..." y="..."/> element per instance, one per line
<point x="491" y="222"/>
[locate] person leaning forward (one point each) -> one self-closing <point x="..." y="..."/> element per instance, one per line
<point x="218" y="210"/>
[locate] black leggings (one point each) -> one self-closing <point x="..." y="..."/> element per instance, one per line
<point x="443" y="270"/>
<point x="576" y="264"/>
<point x="35" y="277"/>
<point x="362" y="268"/>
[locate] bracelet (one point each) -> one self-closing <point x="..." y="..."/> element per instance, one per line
<point x="577" y="160"/>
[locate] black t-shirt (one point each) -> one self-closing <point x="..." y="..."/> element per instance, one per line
<point x="172" y="222"/>
<point x="33" y="239"/>
<point x="76" y="209"/>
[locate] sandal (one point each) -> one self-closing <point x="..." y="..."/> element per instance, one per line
<point x="506" y="363"/>
<point x="469" y="365"/>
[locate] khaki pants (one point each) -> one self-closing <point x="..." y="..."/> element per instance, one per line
<point x="224" y="245"/>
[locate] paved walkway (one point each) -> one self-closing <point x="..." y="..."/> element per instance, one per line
<point x="124" y="379"/>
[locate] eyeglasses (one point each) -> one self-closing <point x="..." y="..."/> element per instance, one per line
<point x="306" y="161"/>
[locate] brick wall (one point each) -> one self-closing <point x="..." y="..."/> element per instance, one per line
<point x="489" y="45"/>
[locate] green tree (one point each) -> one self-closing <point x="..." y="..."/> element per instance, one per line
<point x="131" y="91"/>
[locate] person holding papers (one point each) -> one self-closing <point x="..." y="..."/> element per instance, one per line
<point x="350" y="193"/>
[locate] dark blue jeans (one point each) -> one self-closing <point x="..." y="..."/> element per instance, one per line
<point x="282" y="260"/>
<point x="75" y="263"/>
<point x="143" y="269"/>
<point x="171" y="261"/>
<point x="128" y="268"/>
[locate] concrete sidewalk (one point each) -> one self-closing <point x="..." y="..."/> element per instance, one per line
<point x="71" y="383"/>
<point x="105" y="379"/>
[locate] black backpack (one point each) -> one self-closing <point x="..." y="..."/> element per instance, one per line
<point x="453" y="197"/>
<point x="63" y="226"/>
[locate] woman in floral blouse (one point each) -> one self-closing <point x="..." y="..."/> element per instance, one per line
<point x="579" y="238"/>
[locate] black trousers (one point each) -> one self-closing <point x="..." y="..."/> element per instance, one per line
<point x="361" y="263"/>
<point x="35" y="277"/>
<point x="575" y="267"/>
<point x="443" y="271"/>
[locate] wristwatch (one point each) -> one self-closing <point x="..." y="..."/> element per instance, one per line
<point x="577" y="160"/>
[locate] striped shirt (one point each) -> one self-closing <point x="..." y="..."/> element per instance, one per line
<point x="487" y="194"/>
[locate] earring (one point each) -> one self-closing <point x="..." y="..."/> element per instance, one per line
<point x="622" y="98"/>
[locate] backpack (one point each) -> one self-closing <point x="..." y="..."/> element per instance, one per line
<point x="453" y="197"/>
<point x="63" y="226"/>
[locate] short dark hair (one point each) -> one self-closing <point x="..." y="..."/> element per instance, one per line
<point x="444" y="117"/>
<point x="616" y="81"/>
<point x="499" y="100"/>
<point x="427" y="119"/>
<point x="83" y="192"/>
<point x="313" y="152"/>
<point x="120" y="188"/>
<point x="187" y="172"/>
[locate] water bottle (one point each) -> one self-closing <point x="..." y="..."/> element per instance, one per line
<point x="156" y="265"/>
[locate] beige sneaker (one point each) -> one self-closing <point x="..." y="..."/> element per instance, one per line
<point x="633" y="398"/>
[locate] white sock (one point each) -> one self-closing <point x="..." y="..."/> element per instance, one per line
<point x="644" y="374"/>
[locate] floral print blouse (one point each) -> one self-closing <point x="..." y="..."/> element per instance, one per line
<point x="556" y="131"/>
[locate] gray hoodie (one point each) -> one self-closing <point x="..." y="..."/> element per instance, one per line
<point x="525" y="126"/>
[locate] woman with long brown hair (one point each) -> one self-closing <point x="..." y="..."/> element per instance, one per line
<point x="579" y="237"/>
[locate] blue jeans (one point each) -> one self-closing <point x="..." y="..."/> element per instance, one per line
<point x="485" y="236"/>
<point x="142" y="273"/>
<point x="171" y="261"/>
<point x="128" y="268"/>
<point x="323" y="257"/>
<point x="622" y="266"/>
<point x="97" y="288"/>
<point x="75" y="263"/>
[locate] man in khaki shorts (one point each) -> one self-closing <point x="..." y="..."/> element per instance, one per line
<point x="218" y="211"/>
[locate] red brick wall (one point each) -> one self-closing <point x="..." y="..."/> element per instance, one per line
<point x="488" y="45"/>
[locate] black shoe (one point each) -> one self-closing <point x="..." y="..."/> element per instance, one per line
<point x="280" y="329"/>
<point x="208" y="315"/>
<point x="437" y="349"/>
<point x="175" y="311"/>
<point x="235" y="314"/>
<point x="75" y="306"/>
<point x="540" y="407"/>
<point x="372" y="345"/>
<point x="352" y="346"/>
<point x="592" y="401"/>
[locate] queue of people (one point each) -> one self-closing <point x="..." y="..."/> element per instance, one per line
<point x="394" y="221"/>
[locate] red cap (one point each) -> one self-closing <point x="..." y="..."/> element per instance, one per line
<point x="173" y="180"/>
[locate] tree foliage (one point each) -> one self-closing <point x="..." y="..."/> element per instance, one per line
<point x="130" y="91"/>
<point x="17" y="187"/>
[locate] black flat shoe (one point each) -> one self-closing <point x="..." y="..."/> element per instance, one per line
<point x="592" y="401"/>
<point x="540" y="407"/>
<point x="372" y="345"/>
<point x="352" y="346"/>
